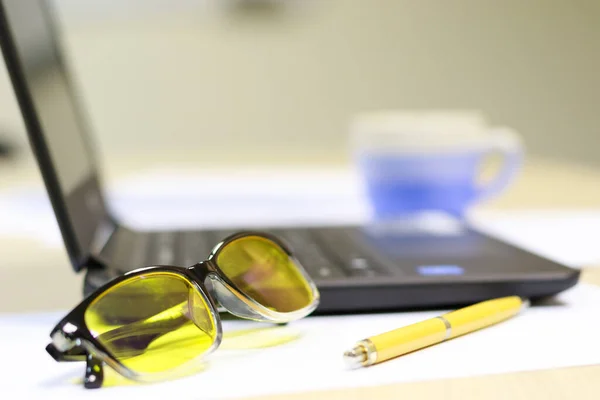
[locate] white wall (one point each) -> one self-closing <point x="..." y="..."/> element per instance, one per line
<point x="204" y="78"/>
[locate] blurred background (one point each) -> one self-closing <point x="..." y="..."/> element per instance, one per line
<point x="237" y="81"/>
<point x="216" y="84"/>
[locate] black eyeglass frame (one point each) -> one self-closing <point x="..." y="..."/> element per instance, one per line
<point x="73" y="341"/>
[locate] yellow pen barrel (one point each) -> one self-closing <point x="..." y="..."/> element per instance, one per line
<point x="432" y="331"/>
<point x="407" y="339"/>
<point x="483" y="314"/>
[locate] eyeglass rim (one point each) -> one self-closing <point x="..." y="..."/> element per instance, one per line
<point x="267" y="314"/>
<point x="73" y="327"/>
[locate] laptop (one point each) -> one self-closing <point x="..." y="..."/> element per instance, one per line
<point x="356" y="268"/>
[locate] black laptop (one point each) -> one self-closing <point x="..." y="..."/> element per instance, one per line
<point x="357" y="269"/>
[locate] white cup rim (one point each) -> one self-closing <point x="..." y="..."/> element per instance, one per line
<point x="423" y="132"/>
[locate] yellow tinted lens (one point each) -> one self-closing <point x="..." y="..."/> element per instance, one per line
<point x="152" y="322"/>
<point x="263" y="271"/>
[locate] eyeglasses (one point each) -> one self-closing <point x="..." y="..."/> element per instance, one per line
<point x="150" y="323"/>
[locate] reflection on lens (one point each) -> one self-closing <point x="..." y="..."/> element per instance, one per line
<point x="263" y="271"/>
<point x="152" y="322"/>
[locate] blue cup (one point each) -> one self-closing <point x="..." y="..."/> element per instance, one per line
<point x="411" y="166"/>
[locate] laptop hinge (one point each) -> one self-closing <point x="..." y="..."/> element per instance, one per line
<point x="103" y="233"/>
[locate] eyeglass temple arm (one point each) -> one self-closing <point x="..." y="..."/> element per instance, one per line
<point x="94" y="371"/>
<point x="150" y="328"/>
<point x="77" y="353"/>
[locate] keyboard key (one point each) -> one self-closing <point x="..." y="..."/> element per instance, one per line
<point x="355" y="259"/>
<point x="139" y="254"/>
<point x="194" y="247"/>
<point x="163" y="247"/>
<point x="324" y="272"/>
<point x="361" y="267"/>
<point x="359" y="264"/>
<point x="310" y="254"/>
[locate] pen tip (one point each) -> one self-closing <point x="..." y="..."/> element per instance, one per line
<point x="354" y="358"/>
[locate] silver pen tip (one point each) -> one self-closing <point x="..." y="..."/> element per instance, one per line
<point x="355" y="358"/>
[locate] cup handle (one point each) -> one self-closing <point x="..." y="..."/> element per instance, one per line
<point x="508" y="143"/>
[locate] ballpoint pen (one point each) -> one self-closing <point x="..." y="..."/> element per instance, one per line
<point x="422" y="334"/>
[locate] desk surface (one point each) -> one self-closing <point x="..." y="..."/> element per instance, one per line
<point x="563" y="383"/>
<point x="28" y="275"/>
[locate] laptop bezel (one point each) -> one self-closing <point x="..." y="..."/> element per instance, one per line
<point x="80" y="257"/>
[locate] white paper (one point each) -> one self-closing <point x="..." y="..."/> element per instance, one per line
<point x="562" y="334"/>
<point x="569" y="237"/>
<point x="166" y="198"/>
<point x="238" y="197"/>
<point x="26" y="213"/>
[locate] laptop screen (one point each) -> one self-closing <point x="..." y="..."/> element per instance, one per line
<point x="55" y="125"/>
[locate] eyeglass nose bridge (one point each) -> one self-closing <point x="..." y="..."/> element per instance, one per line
<point x="203" y="270"/>
<point x="221" y="294"/>
<point x="224" y="296"/>
<point x="233" y="301"/>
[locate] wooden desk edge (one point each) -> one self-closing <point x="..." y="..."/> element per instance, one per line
<point x="563" y="383"/>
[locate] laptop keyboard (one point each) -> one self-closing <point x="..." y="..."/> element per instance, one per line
<point x="323" y="255"/>
<point x="356" y="268"/>
<point x="164" y="249"/>
<point x="326" y="254"/>
<point x="353" y="258"/>
<point x="310" y="254"/>
<point x="194" y="247"/>
<point x="304" y="247"/>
